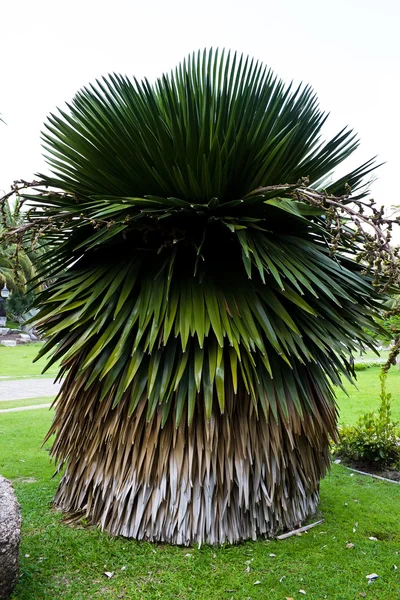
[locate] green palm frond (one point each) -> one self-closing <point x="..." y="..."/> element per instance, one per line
<point x="219" y="126"/>
<point x="193" y="287"/>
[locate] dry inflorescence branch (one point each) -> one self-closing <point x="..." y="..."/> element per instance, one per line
<point x="38" y="219"/>
<point x="371" y="233"/>
<point x="349" y="222"/>
<point x="395" y="332"/>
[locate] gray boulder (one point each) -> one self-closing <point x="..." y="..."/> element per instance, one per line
<point x="25" y="337"/>
<point x="10" y="534"/>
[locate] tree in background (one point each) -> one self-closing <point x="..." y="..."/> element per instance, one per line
<point x="206" y="293"/>
<point x="16" y="260"/>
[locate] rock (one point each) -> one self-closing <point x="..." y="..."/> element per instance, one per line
<point x="25" y="337"/>
<point x="31" y="331"/>
<point x="10" y="534"/>
<point x="8" y="343"/>
<point x="4" y="330"/>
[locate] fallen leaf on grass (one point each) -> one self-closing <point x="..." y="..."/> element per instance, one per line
<point x="109" y="574"/>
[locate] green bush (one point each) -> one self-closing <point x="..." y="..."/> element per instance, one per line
<point x="375" y="438"/>
<point x="19" y="303"/>
<point x="366" y="365"/>
<point x="361" y="366"/>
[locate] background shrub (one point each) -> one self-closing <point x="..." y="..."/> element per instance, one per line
<point x="375" y="438"/>
<point x="366" y="365"/>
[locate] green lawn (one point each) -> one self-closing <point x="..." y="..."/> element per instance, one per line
<point x="366" y="397"/>
<point x="371" y="356"/>
<point x="25" y="402"/>
<point x="69" y="563"/>
<point x="17" y="362"/>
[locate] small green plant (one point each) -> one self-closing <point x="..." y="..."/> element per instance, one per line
<point x="375" y="438"/>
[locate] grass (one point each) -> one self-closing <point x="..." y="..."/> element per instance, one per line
<point x="17" y="361"/>
<point x="25" y="402"/>
<point x="370" y="355"/>
<point x="366" y="397"/>
<point x="69" y="563"/>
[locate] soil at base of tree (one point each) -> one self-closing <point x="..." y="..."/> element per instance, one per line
<point x="372" y="469"/>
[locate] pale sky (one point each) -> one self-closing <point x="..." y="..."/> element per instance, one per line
<point x="348" y="50"/>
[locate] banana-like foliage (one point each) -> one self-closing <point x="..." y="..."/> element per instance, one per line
<point x="16" y="264"/>
<point x="199" y="316"/>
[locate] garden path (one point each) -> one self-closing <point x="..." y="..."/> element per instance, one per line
<point x="18" y="389"/>
<point x="19" y="408"/>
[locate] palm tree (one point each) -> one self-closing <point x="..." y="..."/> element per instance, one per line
<point x="199" y="316"/>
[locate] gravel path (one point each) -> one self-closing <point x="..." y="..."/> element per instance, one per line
<point x="18" y="389"/>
